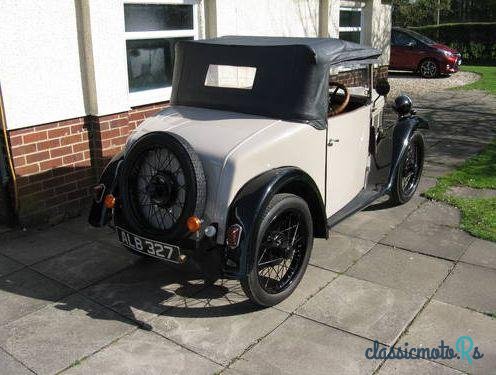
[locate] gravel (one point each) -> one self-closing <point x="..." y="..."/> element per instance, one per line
<point x="412" y="84"/>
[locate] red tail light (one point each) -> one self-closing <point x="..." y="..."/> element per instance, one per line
<point x="233" y="235"/>
<point x="98" y="192"/>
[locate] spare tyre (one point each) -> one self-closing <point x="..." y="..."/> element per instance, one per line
<point x="162" y="184"/>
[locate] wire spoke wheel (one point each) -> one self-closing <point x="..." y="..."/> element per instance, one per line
<point x="411" y="169"/>
<point x="158" y="186"/>
<point x="407" y="176"/>
<point x="282" y="251"/>
<point x="162" y="184"/>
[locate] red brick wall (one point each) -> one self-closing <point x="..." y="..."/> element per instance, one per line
<point x="358" y="77"/>
<point x="56" y="164"/>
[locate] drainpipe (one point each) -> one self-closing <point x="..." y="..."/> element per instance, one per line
<point x="7" y="171"/>
<point x="324" y="18"/>
<point x="210" y="7"/>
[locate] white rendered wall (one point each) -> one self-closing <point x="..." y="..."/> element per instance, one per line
<point x="40" y="70"/>
<point x="377" y="27"/>
<point x="268" y="17"/>
<point x="105" y="52"/>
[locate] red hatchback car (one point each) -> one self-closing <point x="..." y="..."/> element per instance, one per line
<point x="413" y="51"/>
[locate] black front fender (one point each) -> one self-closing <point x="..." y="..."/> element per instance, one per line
<point x="403" y="131"/>
<point x="250" y="202"/>
<point x="99" y="214"/>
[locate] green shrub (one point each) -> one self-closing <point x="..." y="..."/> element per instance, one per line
<point x="476" y="41"/>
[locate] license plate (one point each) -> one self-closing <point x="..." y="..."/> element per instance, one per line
<point x="152" y="248"/>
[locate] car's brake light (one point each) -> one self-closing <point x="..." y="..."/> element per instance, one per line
<point x="233" y="235"/>
<point x="98" y="192"/>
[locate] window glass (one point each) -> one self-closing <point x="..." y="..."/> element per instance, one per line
<point x="155" y="17"/>
<point x="229" y="76"/>
<point x="150" y="63"/>
<point x="350" y="36"/>
<point x="402" y="39"/>
<point x="350" y="18"/>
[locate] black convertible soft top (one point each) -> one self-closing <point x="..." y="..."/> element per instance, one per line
<point x="291" y="80"/>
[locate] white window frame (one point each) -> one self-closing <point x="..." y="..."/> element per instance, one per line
<point x="162" y="94"/>
<point x="353" y="29"/>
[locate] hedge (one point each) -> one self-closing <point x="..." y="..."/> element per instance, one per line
<point x="476" y="41"/>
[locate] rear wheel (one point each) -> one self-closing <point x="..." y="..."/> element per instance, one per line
<point x="429" y="69"/>
<point x="409" y="171"/>
<point x="283" y="245"/>
<point x="162" y="184"/>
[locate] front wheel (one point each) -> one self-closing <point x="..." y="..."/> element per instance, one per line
<point x="409" y="171"/>
<point x="429" y="69"/>
<point x="284" y="242"/>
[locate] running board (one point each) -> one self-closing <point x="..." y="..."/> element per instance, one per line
<point x="361" y="201"/>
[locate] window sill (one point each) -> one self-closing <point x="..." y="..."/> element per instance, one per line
<point x="149" y="96"/>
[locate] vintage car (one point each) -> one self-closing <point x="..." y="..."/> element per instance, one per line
<point x="256" y="156"/>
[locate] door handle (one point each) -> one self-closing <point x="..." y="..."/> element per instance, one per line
<point x="332" y="141"/>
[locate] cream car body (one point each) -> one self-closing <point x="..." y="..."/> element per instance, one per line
<point x="234" y="148"/>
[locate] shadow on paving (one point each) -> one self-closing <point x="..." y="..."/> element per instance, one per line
<point x="64" y="269"/>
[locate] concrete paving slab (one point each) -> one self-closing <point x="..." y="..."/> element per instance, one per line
<point x="87" y="264"/>
<point x="441" y="321"/>
<point x="144" y="290"/>
<point x="482" y="253"/>
<point x="432" y="169"/>
<point x="435" y="213"/>
<point x="314" y="280"/>
<point x="80" y="226"/>
<point x="53" y="338"/>
<point x="431" y="239"/>
<point x="467" y="192"/>
<point x="8" y="265"/>
<point x="33" y="246"/>
<point x="416" y="367"/>
<point x="394" y="215"/>
<point x="10" y="366"/>
<point x="26" y="291"/>
<point x="301" y="346"/>
<point x="414" y="273"/>
<point x="425" y="184"/>
<point x="370" y="310"/>
<point x="470" y="286"/>
<point x="145" y="353"/>
<point x="339" y="252"/>
<point x="216" y="325"/>
<point x="364" y="226"/>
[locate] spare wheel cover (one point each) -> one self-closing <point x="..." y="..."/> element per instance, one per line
<point x="162" y="185"/>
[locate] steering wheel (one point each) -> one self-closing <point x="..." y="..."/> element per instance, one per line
<point x="336" y="109"/>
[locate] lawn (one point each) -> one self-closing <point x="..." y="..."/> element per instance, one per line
<point x="478" y="214"/>
<point x="487" y="81"/>
<point x="479" y="172"/>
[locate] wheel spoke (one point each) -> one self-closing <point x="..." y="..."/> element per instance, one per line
<point x="282" y="251"/>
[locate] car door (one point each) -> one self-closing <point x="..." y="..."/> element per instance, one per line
<point x="347" y="157"/>
<point x="404" y="51"/>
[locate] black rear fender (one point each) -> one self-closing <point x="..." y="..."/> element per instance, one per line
<point x="99" y="214"/>
<point x="251" y="201"/>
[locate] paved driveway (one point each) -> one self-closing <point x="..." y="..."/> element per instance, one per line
<point x="72" y="300"/>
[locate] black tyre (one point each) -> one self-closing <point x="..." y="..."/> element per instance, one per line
<point x="284" y="242"/>
<point x="162" y="184"/>
<point x="409" y="172"/>
<point x="429" y="68"/>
